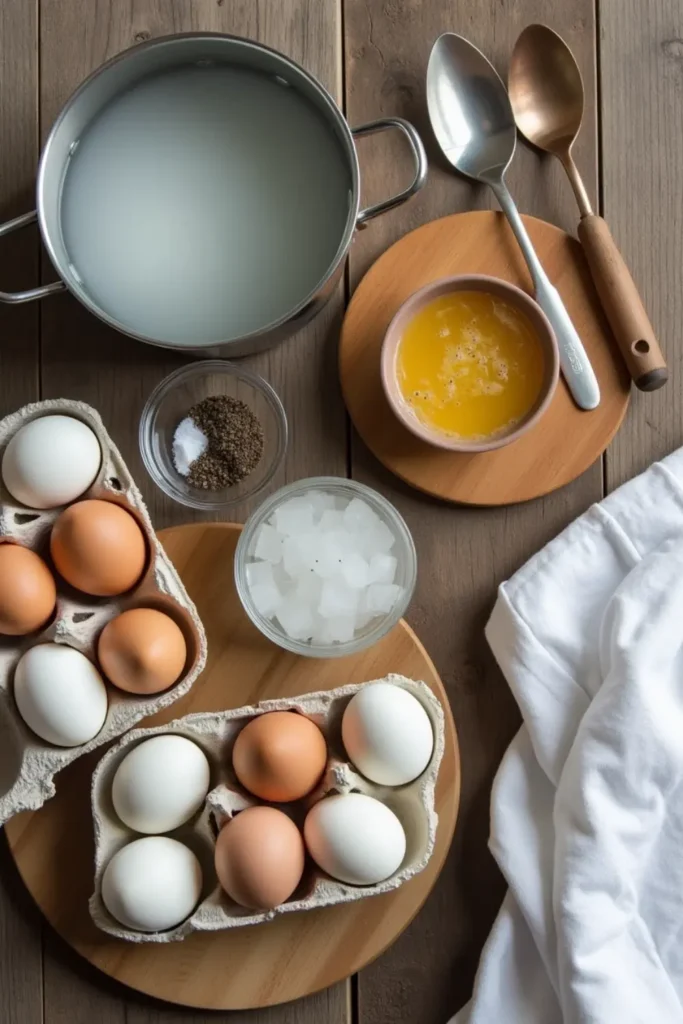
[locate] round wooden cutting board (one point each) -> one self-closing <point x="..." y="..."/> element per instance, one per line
<point x="247" y="967"/>
<point x="564" y="443"/>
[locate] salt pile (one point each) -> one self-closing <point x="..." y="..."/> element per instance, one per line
<point x="323" y="568"/>
<point x="189" y="442"/>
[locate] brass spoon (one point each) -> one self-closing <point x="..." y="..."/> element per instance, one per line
<point x="546" y="92"/>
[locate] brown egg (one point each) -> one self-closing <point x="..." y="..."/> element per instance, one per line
<point x="260" y="858"/>
<point x="280" y="756"/>
<point x="27" y="591"/>
<point x="142" y="651"/>
<point x="98" y="548"/>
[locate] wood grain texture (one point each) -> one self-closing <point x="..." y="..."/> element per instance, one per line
<point x="19" y="265"/>
<point x="641" y="61"/>
<point x="296" y="954"/>
<point x="463" y="554"/>
<point x="21" y="983"/>
<point x="82" y="358"/>
<point x="319" y="1008"/>
<point x="565" y="441"/>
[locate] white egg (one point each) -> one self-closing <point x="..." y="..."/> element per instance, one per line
<point x="160" y="784"/>
<point x="152" y="884"/>
<point x="387" y="734"/>
<point x="355" y="838"/>
<point x="51" y="461"/>
<point x="60" y="694"/>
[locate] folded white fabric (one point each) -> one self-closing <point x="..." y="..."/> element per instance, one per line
<point x="587" y="806"/>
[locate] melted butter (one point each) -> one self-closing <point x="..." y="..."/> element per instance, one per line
<point x="470" y="365"/>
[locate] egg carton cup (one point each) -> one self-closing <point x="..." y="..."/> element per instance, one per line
<point x="28" y="764"/>
<point x="215" y="733"/>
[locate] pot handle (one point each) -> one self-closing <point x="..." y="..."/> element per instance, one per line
<point x="419" y="156"/>
<point x="32" y="293"/>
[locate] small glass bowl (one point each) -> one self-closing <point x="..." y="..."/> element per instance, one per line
<point x="403" y="550"/>
<point x="170" y="403"/>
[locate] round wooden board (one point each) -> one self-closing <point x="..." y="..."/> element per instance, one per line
<point x="564" y="443"/>
<point x="249" y="967"/>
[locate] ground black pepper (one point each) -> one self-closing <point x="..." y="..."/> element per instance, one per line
<point x="235" y="442"/>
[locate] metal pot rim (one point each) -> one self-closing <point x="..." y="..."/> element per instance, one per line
<point x="333" y="110"/>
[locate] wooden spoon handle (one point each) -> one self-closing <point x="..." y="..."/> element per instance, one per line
<point x="623" y="305"/>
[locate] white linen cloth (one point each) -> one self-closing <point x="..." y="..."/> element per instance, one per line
<point x="587" y="805"/>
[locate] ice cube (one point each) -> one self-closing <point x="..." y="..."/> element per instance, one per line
<point x="337" y="599"/>
<point x="308" y="588"/>
<point x="359" y="516"/>
<point x="302" y="554"/>
<point x="382" y="568"/>
<point x="321" y="635"/>
<point x="380" y="598"/>
<point x="294" y="517"/>
<point x="268" y="544"/>
<point x="349" y="541"/>
<point x="355" y="571"/>
<point x="379" y="539"/>
<point x="321" y="502"/>
<point x="266" y="597"/>
<point x="331" y="549"/>
<point x="281" y="577"/>
<point x="259" y="572"/>
<point x="340" y="630"/>
<point x="331" y="519"/>
<point x="312" y="547"/>
<point x="296" y="618"/>
<point x="292" y="557"/>
<point x="364" y="618"/>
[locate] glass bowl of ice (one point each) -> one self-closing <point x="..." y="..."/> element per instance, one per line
<point x="325" y="567"/>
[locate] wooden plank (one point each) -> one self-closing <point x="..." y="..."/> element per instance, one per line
<point x="464" y="554"/>
<point x="21" y="982"/>
<point x="84" y="359"/>
<point x="641" y="51"/>
<point x="19" y="264"/>
<point x="323" y="1008"/>
<point x="21" y="925"/>
<point x="75" y="993"/>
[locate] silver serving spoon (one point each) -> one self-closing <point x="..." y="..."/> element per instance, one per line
<point x="473" y="122"/>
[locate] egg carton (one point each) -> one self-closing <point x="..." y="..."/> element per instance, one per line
<point x="215" y="733"/>
<point x="28" y="764"/>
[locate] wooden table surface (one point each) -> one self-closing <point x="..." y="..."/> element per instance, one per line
<point x="372" y="55"/>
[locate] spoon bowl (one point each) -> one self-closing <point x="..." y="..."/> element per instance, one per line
<point x="546" y="90"/>
<point x="469" y="109"/>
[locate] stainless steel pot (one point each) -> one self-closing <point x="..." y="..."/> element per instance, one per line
<point x="131" y="70"/>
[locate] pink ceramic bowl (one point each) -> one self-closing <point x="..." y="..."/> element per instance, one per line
<point x="468" y="283"/>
